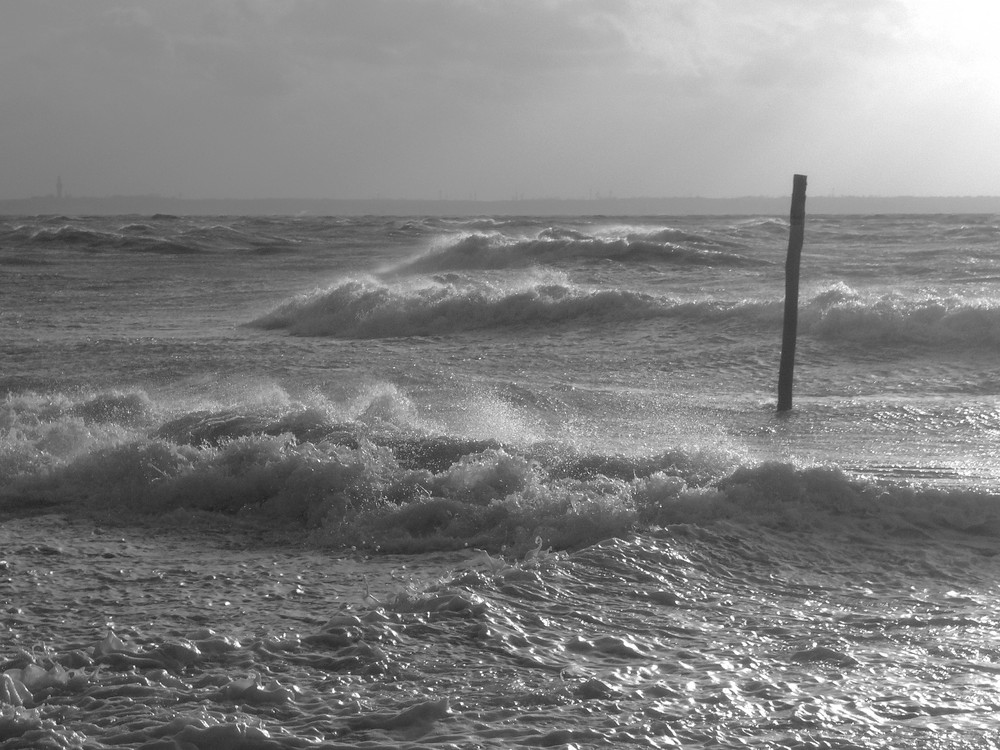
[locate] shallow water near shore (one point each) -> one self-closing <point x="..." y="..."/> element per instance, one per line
<point x="680" y="637"/>
<point x="502" y="482"/>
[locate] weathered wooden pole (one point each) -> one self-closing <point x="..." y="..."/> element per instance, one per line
<point x="797" y="221"/>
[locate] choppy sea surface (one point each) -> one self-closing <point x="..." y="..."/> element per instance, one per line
<point x="299" y="482"/>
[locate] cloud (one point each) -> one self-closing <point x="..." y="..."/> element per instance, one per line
<point x="433" y="35"/>
<point x="542" y="97"/>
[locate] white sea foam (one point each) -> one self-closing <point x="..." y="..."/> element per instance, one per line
<point x="903" y="318"/>
<point x="498" y="250"/>
<point x="382" y="479"/>
<point x="373" y="308"/>
<point x="602" y="533"/>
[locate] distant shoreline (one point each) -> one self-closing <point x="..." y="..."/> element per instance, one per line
<point x="149" y="205"/>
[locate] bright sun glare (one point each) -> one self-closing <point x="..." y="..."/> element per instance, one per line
<point x="964" y="32"/>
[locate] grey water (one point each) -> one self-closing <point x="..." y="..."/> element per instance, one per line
<point x="498" y="482"/>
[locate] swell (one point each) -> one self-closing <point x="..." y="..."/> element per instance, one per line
<point x="369" y="308"/>
<point x="135" y="238"/>
<point x="844" y="314"/>
<point x="156" y="236"/>
<point x="495" y="250"/>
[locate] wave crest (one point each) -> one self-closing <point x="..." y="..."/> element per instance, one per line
<point x="370" y="308"/>
<point x="497" y="251"/>
<point x="843" y="313"/>
<point x="353" y="479"/>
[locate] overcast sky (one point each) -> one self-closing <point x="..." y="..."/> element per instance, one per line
<point x="492" y="98"/>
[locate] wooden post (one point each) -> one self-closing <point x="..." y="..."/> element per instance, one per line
<point x="797" y="220"/>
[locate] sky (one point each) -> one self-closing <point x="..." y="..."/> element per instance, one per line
<point x="491" y="99"/>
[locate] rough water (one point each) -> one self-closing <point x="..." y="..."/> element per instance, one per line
<point x="498" y="482"/>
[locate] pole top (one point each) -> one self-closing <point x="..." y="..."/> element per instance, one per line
<point x="798" y="211"/>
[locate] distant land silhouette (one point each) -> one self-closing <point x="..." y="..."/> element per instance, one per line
<point x="149" y="205"/>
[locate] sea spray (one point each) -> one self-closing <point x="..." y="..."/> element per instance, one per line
<point x="370" y="308"/>
<point x="893" y="319"/>
<point x="552" y="246"/>
<point x="581" y="526"/>
<point x="373" y="308"/>
<point x="387" y="485"/>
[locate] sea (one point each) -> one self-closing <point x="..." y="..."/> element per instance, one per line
<point x="498" y="482"/>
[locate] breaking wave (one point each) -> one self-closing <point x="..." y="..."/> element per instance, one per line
<point x="376" y="308"/>
<point x="365" y="474"/>
<point x="371" y="308"/>
<point x="494" y="250"/>
<point x="843" y="313"/>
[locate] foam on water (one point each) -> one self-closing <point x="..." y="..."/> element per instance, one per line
<point x="372" y="472"/>
<point x="373" y="308"/>
<point x="841" y="312"/>
<point x="681" y="637"/>
<point x="497" y="250"/>
<point x="531" y="494"/>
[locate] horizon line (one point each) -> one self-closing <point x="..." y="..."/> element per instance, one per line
<point x="517" y="199"/>
<point x="152" y="205"/>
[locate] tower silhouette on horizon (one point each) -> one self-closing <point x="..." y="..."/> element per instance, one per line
<point x="59" y="186"/>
